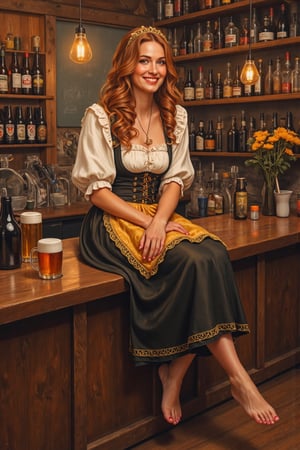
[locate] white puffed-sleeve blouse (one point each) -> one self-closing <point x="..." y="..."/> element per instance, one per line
<point x="94" y="167"/>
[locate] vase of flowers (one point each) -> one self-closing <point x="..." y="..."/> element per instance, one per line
<point x="272" y="154"/>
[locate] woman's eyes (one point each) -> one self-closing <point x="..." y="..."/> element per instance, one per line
<point x="161" y="62"/>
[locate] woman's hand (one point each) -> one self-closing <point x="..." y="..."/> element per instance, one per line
<point x="154" y="237"/>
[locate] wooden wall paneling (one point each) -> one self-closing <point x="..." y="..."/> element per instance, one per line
<point x="79" y="377"/>
<point x="50" y="76"/>
<point x="281" y="319"/>
<point x="35" y="381"/>
<point x="261" y="311"/>
<point x="118" y="393"/>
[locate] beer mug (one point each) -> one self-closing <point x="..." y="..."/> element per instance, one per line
<point x="47" y="257"/>
<point x="31" y="227"/>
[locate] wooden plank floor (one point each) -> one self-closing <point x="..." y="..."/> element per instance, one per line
<point x="227" y="427"/>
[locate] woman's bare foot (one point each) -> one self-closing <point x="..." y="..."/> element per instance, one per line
<point x="170" y="403"/>
<point x="247" y="395"/>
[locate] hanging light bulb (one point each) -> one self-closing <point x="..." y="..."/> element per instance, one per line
<point x="81" y="51"/>
<point x="249" y="74"/>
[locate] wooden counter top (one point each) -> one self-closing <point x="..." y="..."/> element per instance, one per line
<point x="23" y="294"/>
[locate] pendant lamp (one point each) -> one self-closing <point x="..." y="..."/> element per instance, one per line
<point x="80" y="52"/>
<point x="249" y="74"/>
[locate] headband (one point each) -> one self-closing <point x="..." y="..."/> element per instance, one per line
<point x="143" y="30"/>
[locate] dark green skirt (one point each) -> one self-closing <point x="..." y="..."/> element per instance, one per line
<point x="190" y="302"/>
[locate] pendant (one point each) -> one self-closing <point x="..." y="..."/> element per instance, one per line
<point x="148" y="141"/>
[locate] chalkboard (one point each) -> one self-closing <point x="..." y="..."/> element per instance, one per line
<point x="78" y="85"/>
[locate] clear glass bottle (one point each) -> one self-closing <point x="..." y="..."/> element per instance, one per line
<point x="277" y="77"/>
<point x="218" y="34"/>
<point x="218" y="194"/>
<point x="227" y="85"/>
<point x="200" y="85"/>
<point x="254" y="28"/>
<point x="226" y="185"/>
<point x="296" y="76"/>
<point x="286" y="75"/>
<point x="232" y="35"/>
<point x="268" y="84"/>
<point x="243" y="133"/>
<point x="259" y="85"/>
<point x="198" y="40"/>
<point x="208" y="38"/>
<point x="190" y="44"/>
<point x="294" y="26"/>
<point x="210" y="85"/>
<point x="237" y="86"/>
<point x="175" y="43"/>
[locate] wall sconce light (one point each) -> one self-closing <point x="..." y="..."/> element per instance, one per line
<point x="249" y="74"/>
<point x="81" y="51"/>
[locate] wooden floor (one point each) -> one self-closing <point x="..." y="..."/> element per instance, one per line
<point x="227" y="427"/>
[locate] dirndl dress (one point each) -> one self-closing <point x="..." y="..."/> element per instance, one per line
<point x="181" y="301"/>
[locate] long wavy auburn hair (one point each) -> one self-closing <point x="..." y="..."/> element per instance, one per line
<point x="116" y="95"/>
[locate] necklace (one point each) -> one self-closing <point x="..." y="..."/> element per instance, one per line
<point x="148" y="140"/>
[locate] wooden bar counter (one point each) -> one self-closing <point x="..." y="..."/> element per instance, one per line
<point x="67" y="380"/>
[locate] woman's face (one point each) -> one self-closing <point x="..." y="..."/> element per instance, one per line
<point x="150" y="71"/>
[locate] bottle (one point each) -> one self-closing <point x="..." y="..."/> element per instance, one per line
<point x="169" y="9"/>
<point x="237" y="86"/>
<point x="225" y="188"/>
<point x="208" y="4"/>
<point x="294" y="26"/>
<point x="198" y="208"/>
<point x="218" y="195"/>
<point x="177" y="8"/>
<point x="183" y="42"/>
<point x="227" y="85"/>
<point x="252" y="129"/>
<point x="10" y="232"/>
<point x="240" y="200"/>
<point x="159" y="9"/>
<point x="243" y="134"/>
<point x="200" y="85"/>
<point x="189" y="87"/>
<point x="26" y="77"/>
<point x="233" y="138"/>
<point x="208" y="38"/>
<point x="200" y="135"/>
<point x="3" y="72"/>
<point x="289" y="121"/>
<point x="232" y="35"/>
<point x="266" y="34"/>
<point x="286" y="75"/>
<point x="296" y="76"/>
<point x="41" y="126"/>
<point x="198" y="40"/>
<point x="219" y="135"/>
<point x="20" y="126"/>
<point x="262" y="123"/>
<point x="245" y="32"/>
<point x="254" y="28"/>
<point x="254" y="212"/>
<point x="274" y="121"/>
<point x="175" y="43"/>
<point x="190" y="44"/>
<point x="226" y="2"/>
<point x="211" y="201"/>
<point x="169" y="36"/>
<point x="192" y="135"/>
<point x="277" y="78"/>
<point x="282" y="28"/>
<point x="186" y="7"/>
<point x="218" y="91"/>
<point x="30" y="126"/>
<point x="210" y="86"/>
<point x="268" y="84"/>
<point x="218" y="34"/>
<point x="272" y="24"/>
<point x="9" y="126"/>
<point x="16" y="83"/>
<point x="259" y="85"/>
<point x="210" y="138"/>
<point x="37" y="76"/>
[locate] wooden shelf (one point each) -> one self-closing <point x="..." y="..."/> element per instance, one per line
<point x="251" y="99"/>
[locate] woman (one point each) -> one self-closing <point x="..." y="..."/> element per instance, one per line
<point x="133" y="165"/>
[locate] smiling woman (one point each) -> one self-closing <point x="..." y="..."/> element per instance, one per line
<point x="133" y="164"/>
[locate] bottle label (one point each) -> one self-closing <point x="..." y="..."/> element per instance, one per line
<point x="31" y="132"/>
<point x="42" y="133"/>
<point x="230" y="40"/>
<point x="266" y="36"/>
<point x="21" y="132"/>
<point x="189" y="93"/>
<point x="227" y="92"/>
<point x="237" y="91"/>
<point x="169" y="10"/>
<point x="200" y="143"/>
<point x="281" y="34"/>
<point x="219" y="204"/>
<point x="241" y="205"/>
<point x="9" y="131"/>
<point x="1" y="132"/>
<point x="207" y="45"/>
<point x="3" y="83"/>
<point x="16" y="81"/>
<point x="199" y="93"/>
<point x="26" y="81"/>
<point x="37" y="82"/>
<point x="210" y="144"/>
<point x="286" y="88"/>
